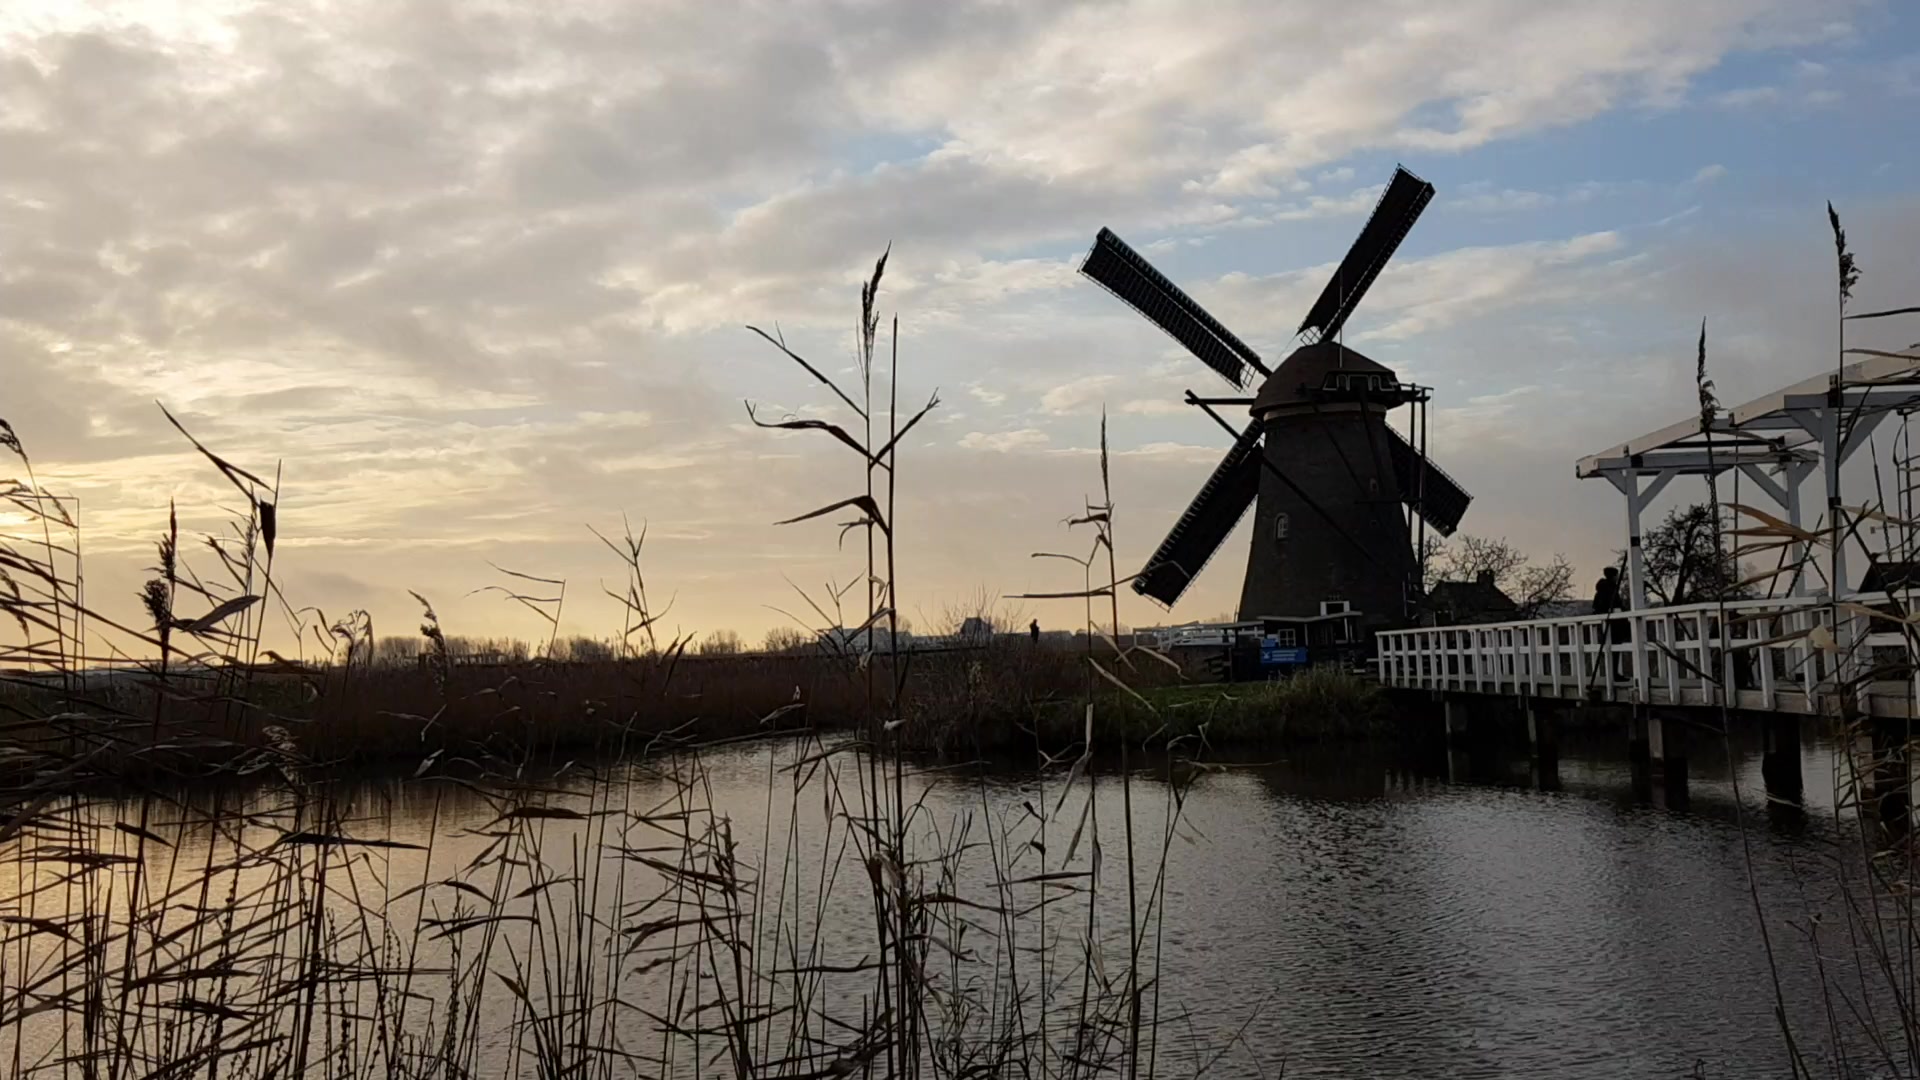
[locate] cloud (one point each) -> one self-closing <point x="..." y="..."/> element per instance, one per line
<point x="1803" y="84"/>
<point x="1003" y="441"/>
<point x="1166" y="406"/>
<point x="1503" y="201"/>
<point x="1077" y="396"/>
<point x="1354" y="204"/>
<point x="1709" y="173"/>
<point x="1420" y="295"/>
<point x="476" y="273"/>
<point x="1900" y="77"/>
<point x="1747" y="97"/>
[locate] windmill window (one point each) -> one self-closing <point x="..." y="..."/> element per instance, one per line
<point x="1369" y="382"/>
<point x="1282" y="525"/>
<point x="1334" y="607"/>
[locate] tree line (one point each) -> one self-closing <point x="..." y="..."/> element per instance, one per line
<point x="1685" y="561"/>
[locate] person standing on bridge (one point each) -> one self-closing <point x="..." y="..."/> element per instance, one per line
<point x="1606" y="591"/>
<point x="1606" y="601"/>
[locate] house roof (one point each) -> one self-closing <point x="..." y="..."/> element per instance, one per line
<point x="1896" y="574"/>
<point x="1479" y="595"/>
<point x="1564" y="609"/>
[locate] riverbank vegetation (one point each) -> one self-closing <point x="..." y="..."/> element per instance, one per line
<point x="558" y="884"/>
<point x="1326" y="704"/>
<point x="996" y="701"/>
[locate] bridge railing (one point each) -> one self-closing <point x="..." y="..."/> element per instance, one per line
<point x="1785" y="653"/>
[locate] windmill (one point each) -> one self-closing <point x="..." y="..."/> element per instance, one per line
<point x="1339" y="491"/>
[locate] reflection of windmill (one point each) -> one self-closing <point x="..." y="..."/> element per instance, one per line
<point x="1330" y="474"/>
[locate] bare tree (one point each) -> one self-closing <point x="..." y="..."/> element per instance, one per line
<point x="721" y="643"/>
<point x="1531" y="586"/>
<point x="786" y="639"/>
<point x="396" y="651"/>
<point x="981" y="613"/>
<point x="1534" y="587"/>
<point x="1469" y="557"/>
<point x="1686" y="563"/>
<point x="583" y="650"/>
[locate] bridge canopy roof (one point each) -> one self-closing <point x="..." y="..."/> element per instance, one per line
<point x="1773" y="429"/>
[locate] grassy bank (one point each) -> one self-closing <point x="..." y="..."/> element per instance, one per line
<point x="959" y="704"/>
<point x="1323" y="704"/>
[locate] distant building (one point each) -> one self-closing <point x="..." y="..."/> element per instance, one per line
<point x="1885" y="576"/>
<point x="877" y="639"/>
<point x="1480" y="600"/>
<point x="1189" y="634"/>
<point x="1564" y="609"/>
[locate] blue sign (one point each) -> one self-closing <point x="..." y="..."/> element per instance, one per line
<point x="1276" y="656"/>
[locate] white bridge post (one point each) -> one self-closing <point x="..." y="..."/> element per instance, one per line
<point x="1628" y="481"/>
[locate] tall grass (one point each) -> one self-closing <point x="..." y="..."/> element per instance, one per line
<point x="1870" y="1016"/>
<point x="194" y="890"/>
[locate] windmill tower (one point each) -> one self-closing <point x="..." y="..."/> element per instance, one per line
<point x="1341" y="494"/>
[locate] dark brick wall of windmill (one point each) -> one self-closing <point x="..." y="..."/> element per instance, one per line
<point x="1350" y="476"/>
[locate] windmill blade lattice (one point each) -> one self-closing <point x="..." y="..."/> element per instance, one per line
<point x="1125" y="274"/>
<point x="1440" y="500"/>
<point x="1222" y="502"/>
<point x="1399" y="207"/>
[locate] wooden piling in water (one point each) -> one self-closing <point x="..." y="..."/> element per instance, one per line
<point x="1892" y="777"/>
<point x="1543" y="742"/>
<point x="1780" y="756"/>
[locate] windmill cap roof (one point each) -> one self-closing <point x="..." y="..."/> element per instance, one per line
<point x="1306" y="371"/>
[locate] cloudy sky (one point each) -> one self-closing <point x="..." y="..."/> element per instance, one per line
<point x="475" y="275"/>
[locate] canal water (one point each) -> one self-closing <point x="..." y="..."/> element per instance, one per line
<point x="1332" y="912"/>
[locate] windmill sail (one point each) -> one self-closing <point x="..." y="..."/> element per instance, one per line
<point x="1125" y="274"/>
<point x="1406" y="196"/>
<point x="1426" y="487"/>
<point x="1204" y="527"/>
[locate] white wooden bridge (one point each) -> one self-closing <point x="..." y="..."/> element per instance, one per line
<point x="1793" y="653"/>
<point x="1774" y="655"/>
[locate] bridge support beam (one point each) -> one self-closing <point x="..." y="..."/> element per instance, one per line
<point x="1784" y="488"/>
<point x="1780" y="756"/>
<point x="1543" y="730"/>
<point x="1543" y="740"/>
<point x="1628" y="481"/>
<point x="1657" y="746"/>
<point x="1640" y="730"/>
<point x="1459" y="763"/>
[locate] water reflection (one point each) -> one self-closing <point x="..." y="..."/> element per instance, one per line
<point x="1515" y="925"/>
<point x="1358" y="913"/>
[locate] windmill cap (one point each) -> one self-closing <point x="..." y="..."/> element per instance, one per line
<point x="1315" y="372"/>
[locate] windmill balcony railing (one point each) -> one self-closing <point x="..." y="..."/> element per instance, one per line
<point x="1784" y="654"/>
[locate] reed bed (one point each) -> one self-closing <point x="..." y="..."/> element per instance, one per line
<point x="998" y="700"/>
<point x="1871" y="1017"/>
<point x="568" y="878"/>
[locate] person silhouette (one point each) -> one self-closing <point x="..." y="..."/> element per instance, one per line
<point x="1606" y="601"/>
<point x="1033" y="631"/>
<point x="1606" y="591"/>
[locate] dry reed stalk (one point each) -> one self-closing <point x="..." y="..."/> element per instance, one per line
<point x="257" y="918"/>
